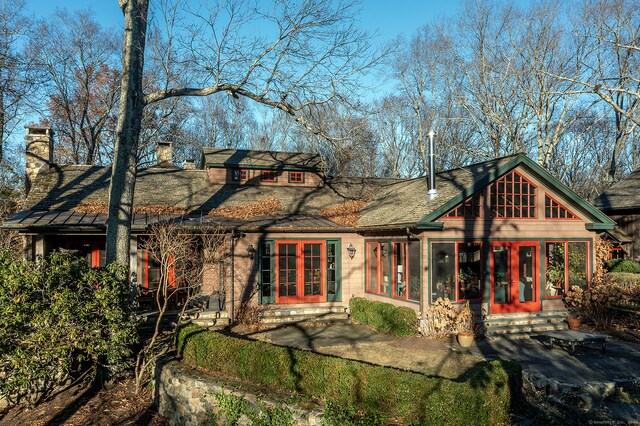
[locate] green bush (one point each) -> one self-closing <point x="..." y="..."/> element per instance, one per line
<point x="623" y="265"/>
<point x="384" y="317"/>
<point x="57" y="315"/>
<point x="484" y="396"/>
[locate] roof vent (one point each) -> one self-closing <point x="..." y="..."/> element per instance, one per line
<point x="433" y="192"/>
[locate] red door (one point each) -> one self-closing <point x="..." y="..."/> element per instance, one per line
<point x="300" y="271"/>
<point x="514" y="277"/>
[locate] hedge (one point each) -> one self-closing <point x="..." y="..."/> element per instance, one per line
<point x="484" y="396"/>
<point x="623" y="265"/>
<point x="384" y="317"/>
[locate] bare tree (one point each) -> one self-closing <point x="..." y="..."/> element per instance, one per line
<point x="612" y="31"/>
<point x="78" y="60"/>
<point x="489" y="77"/>
<point x="183" y="257"/>
<point x="547" y="51"/>
<point x="16" y="84"/>
<point x="310" y="56"/>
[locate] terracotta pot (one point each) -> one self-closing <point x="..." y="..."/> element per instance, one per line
<point x="574" y="323"/>
<point x="465" y="339"/>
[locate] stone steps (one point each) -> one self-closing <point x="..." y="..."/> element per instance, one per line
<point x="523" y="325"/>
<point x="304" y="315"/>
<point x="210" y="319"/>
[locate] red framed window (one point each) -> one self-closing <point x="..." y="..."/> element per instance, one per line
<point x="238" y="175"/>
<point x="93" y="251"/>
<point x="296" y="177"/>
<point x="150" y="271"/>
<point x="470" y="208"/>
<point x="616" y="253"/>
<point x="268" y="176"/>
<point x="567" y="265"/>
<point x="513" y="196"/>
<point x="300" y="271"/>
<point x="456" y="271"/>
<point x="555" y="210"/>
<point x="393" y="269"/>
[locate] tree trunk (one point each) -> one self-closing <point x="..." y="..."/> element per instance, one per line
<point x="123" y="172"/>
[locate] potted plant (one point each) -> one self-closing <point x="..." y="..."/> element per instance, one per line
<point x="464" y="326"/>
<point x="574" y="303"/>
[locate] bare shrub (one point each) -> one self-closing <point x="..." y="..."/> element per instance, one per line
<point x="184" y="255"/>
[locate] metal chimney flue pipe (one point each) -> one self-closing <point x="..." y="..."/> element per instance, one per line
<point x="433" y="192"/>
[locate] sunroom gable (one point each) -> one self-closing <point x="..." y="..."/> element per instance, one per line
<point x="562" y="195"/>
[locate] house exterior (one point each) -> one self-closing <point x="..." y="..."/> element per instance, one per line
<point x="621" y="202"/>
<point x="504" y="234"/>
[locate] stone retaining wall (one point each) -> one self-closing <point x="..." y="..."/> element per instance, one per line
<point x="185" y="396"/>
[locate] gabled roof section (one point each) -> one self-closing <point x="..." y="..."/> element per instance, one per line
<point x="623" y="195"/>
<point x="275" y="160"/>
<point x="472" y="178"/>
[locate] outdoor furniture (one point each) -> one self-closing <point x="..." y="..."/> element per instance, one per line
<point x="574" y="338"/>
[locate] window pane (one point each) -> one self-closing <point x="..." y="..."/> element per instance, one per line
<point x="372" y="266"/>
<point x="414" y="270"/>
<point x="469" y="270"/>
<point x="443" y="263"/>
<point x="525" y="268"/>
<point x="578" y="264"/>
<point x="331" y="268"/>
<point x="555" y="279"/>
<point x="501" y="274"/>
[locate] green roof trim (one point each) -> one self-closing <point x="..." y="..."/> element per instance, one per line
<point x="601" y="220"/>
<point x="599" y="226"/>
<point x="430" y="226"/>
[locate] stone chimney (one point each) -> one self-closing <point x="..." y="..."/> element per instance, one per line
<point x="189" y="164"/>
<point x="165" y="154"/>
<point x="39" y="156"/>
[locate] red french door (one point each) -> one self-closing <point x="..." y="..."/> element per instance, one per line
<point x="300" y="271"/>
<point x="514" y="277"/>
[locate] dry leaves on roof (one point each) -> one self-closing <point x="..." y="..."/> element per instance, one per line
<point x="101" y="207"/>
<point x="346" y="214"/>
<point x="267" y="207"/>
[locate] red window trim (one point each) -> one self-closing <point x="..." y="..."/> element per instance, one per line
<point x="392" y="267"/>
<point x="300" y="297"/>
<point x="514" y="195"/>
<point x="171" y="279"/>
<point x="457" y="266"/>
<point x="242" y="172"/>
<point x="474" y="202"/>
<point x="265" y="173"/>
<point x="296" y="173"/>
<point x="566" y="265"/>
<point x="557" y="206"/>
<point x="456" y="290"/>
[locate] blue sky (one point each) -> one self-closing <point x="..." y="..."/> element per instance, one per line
<point x="389" y="17"/>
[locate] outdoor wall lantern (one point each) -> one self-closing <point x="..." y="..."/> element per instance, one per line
<point x="251" y="251"/>
<point x="351" y="250"/>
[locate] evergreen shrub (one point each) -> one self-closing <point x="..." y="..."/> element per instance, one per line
<point x="384" y="317"/>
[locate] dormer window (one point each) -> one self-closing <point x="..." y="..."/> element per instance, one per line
<point x="238" y="175"/>
<point x="268" y="176"/>
<point x="296" y="177"/>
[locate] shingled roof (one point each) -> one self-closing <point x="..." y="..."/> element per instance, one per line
<point x="58" y="196"/>
<point x="273" y="160"/>
<point x="624" y="195"/>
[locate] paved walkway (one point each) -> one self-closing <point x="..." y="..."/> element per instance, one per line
<point x="621" y="361"/>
